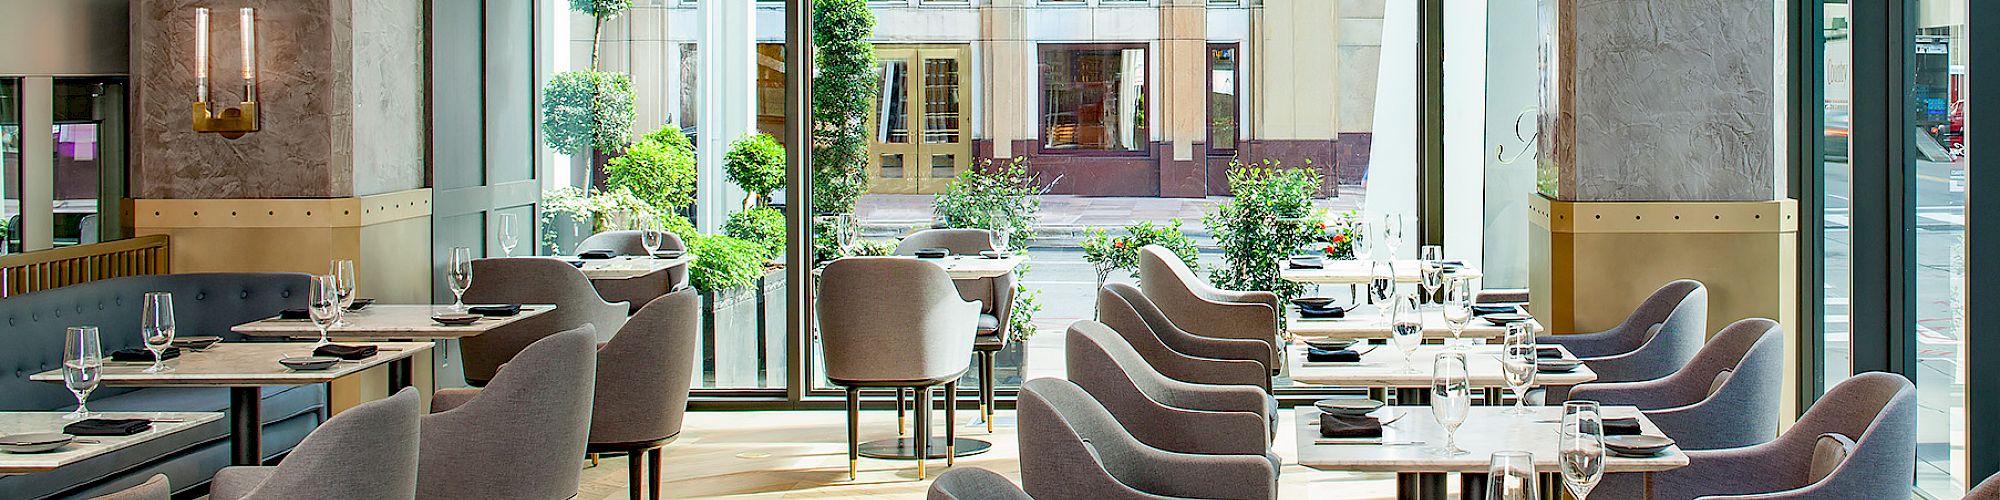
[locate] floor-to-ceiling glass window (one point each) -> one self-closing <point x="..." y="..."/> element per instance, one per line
<point x="10" y="164"/>
<point x="1834" y="357"/>
<point x="89" y="140"/>
<point x="1940" y="258"/>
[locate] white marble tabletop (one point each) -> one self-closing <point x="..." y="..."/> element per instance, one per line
<point x="386" y="321"/>
<point x="241" y="364"/>
<point x="1486" y="430"/>
<point x="972" y="267"/>
<point x="1384" y="367"/>
<point x="29" y="422"/>
<point x="1360" y="272"/>
<point x="628" y="267"/>
<point x="1365" y="322"/>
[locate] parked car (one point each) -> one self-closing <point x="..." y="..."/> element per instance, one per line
<point x="1954" y="133"/>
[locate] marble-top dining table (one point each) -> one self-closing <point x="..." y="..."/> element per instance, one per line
<point x="1365" y="322"/>
<point x="1360" y="272"/>
<point x="972" y="267"/>
<point x="627" y="267"/>
<point x="386" y="322"/>
<point x="87" y="447"/>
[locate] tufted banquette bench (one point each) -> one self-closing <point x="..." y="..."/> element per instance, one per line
<point x="31" y="341"/>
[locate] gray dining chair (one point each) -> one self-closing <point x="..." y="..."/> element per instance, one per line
<point x="368" y="451"/>
<point x="1072" y="447"/>
<point x="531" y="280"/>
<point x="643" y="376"/>
<point x="1205" y="310"/>
<point x="1986" y="490"/>
<point x="1659" y="337"/>
<point x="155" y="488"/>
<point x="1160" y="411"/>
<point x="1858" y="442"/>
<point x="895" y="323"/>
<point x="1175" y="352"/>
<point x="974" y="484"/>
<point x="1727" y="397"/>
<point x="995" y="296"/>
<point x="519" y="437"/>
<point x="639" y="290"/>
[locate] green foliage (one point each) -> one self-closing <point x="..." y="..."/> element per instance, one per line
<point x="587" y="110"/>
<point x="670" y="135"/>
<point x="874" y="248"/>
<point x="757" y="163"/>
<point x="601" y="9"/>
<point x="1271" y="216"/>
<point x="1336" y="239"/>
<point x="599" y="209"/>
<point x="1109" y="253"/>
<point x="722" y="262"/>
<point x="763" y="225"/>
<point x="846" y="86"/>
<point x="1021" y="319"/>
<point x="997" y="199"/>
<point x="660" y="172"/>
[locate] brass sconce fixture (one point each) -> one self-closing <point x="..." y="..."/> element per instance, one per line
<point x="230" y="122"/>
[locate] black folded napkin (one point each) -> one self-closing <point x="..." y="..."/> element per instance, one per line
<point x="1322" y="313"/>
<point x="575" y="263"/>
<point x="295" y="313"/>
<point x="360" y="303"/>
<point x="1621" y="426"/>
<point x="347" y="352"/>
<point x="1548" y="352"/>
<point x="1479" y="310"/>
<point x="1317" y="355"/>
<point x="108" y="427"/>
<point x="597" y="254"/>
<point x="933" y="253"/>
<point x="1337" y="426"/>
<point x="501" y="311"/>
<point x="141" y="354"/>
<point x="669" y="254"/>
<point x="1307" y="262"/>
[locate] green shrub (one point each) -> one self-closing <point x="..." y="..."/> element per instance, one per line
<point x="844" y="92"/>
<point x="598" y="209"/>
<point x="982" y="194"/>
<point x="1270" y="217"/>
<point x="670" y="135"/>
<point x="587" y="110"/>
<point x="1109" y="253"/>
<point x="757" y="163"/>
<point x="603" y="9"/>
<point x="722" y="263"/>
<point x="763" y="225"/>
<point x="659" y="172"/>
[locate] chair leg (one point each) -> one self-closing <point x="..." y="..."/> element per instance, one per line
<point x="633" y="462"/>
<point x="653" y="473"/>
<point x="950" y="423"/>
<point x="853" y="431"/>
<point x="986" y="384"/>
<point x="923" y="434"/>
<point x="902" y="426"/>
<point x="593" y="459"/>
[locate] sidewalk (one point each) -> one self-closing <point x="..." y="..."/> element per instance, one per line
<point x="1064" y="217"/>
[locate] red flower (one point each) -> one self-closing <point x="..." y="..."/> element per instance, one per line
<point x="1119" y="245"/>
<point x="1322" y="225"/>
<point x="1338" y="238"/>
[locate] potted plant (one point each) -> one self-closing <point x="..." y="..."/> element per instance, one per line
<point x="1271" y="216"/>
<point x="844" y="92"/>
<point x="588" y="111"/>
<point x="725" y="270"/>
<point x="660" y="170"/>
<point x="1109" y="253"/>
<point x="1006" y="200"/>
<point x="757" y="163"/>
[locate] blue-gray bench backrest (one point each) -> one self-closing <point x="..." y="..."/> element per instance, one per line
<point x="31" y="337"/>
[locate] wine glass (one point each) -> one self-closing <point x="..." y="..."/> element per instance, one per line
<point x="1582" y="447"/>
<point x="458" y="272"/>
<point x="1392" y="234"/>
<point x="323" y="304"/>
<point x="156" y="328"/>
<point x="1406" y="328"/>
<point x="1518" y="364"/>
<point x="1457" y="308"/>
<point x="1002" y="227"/>
<point x="1451" y="398"/>
<point x="343" y="286"/>
<point x="83" y="357"/>
<point x="1510" y="475"/>
<point x="1430" y="257"/>
<point x="508" y="239"/>
<point x="1362" y="239"/>
<point x="1381" y="286"/>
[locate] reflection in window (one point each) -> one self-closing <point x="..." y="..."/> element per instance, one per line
<point x="1094" y="97"/>
<point x="89" y="117"/>
<point x="940" y="101"/>
<point x="891" y="121"/>
<point x="771" y="90"/>
<point x="10" y="164"/>
<point x="690" y="101"/>
<point x="1222" y="112"/>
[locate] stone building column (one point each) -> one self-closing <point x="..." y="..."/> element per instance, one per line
<point x="1007" y="63"/>
<point x="1182" y="121"/>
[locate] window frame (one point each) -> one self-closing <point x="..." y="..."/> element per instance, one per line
<point x="1236" y="104"/>
<point x="1042" y="102"/>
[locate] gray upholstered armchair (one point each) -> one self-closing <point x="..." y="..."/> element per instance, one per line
<point x="974" y="484"/>
<point x="1205" y="310"/>
<point x="1175" y="352"/>
<point x="637" y="290"/>
<point x="1858" y="441"/>
<point x="155" y="488"/>
<point x="1727" y="397"/>
<point x="895" y="323"/>
<point x="1071" y="447"/>
<point x="1986" y="490"/>
<point x="368" y="451"/>
<point x="1161" y="411"/>
<point x="995" y="296"/>
<point x="643" y="376"/>
<point x="531" y="280"/>
<point x="1654" y="341"/>
<point x="520" y="437"/>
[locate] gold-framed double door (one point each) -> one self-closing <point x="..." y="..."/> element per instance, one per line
<point x="920" y="136"/>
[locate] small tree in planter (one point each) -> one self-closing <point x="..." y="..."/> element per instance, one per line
<point x="658" y="170"/>
<point x="998" y="199"/>
<point x="1108" y="253"/>
<point x="763" y="226"/>
<point x="1271" y="217"/>
<point x="725" y="270"/>
<point x="757" y="163"/>
<point x="588" y="110"/>
<point x="598" y="212"/>
<point x="844" y="92"/>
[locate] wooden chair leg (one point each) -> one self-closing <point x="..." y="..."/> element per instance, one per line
<point x="902" y="426"/>
<point x="633" y="462"/>
<point x="854" y="431"/>
<point x="593" y="459"/>
<point x="653" y="473"/>
<point x="923" y="434"/>
<point x="986" y="384"/>
<point x="950" y="423"/>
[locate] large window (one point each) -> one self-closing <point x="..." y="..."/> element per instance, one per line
<point x="1940" y="258"/>
<point x="89" y="141"/>
<point x="1223" y="116"/>
<point x="10" y="164"/>
<point x="1835" y="357"/>
<point x="1094" y="98"/>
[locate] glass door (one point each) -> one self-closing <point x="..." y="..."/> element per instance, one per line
<point x="1941" y="185"/>
<point x="919" y="138"/>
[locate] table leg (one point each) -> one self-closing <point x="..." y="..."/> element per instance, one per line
<point x="1471" y="485"/>
<point x="1495" y="397"/>
<point x="1552" y="486"/>
<point x="246" y="426"/>
<point x="1378" y="394"/>
<point x="401" y="373"/>
<point x="1413" y="396"/>
<point x="1420" y="485"/>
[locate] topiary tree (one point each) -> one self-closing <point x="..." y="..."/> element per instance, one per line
<point x="587" y="111"/>
<point x="660" y="172"/>
<point x="762" y="225"/>
<point x="722" y="262"/>
<point x="757" y="163"/>
<point x="843" y="90"/>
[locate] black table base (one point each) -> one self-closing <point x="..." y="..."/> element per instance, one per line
<point x="906" y="448"/>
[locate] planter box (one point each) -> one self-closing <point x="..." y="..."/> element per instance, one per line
<point x="743" y="334"/>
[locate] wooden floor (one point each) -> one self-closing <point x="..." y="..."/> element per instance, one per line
<point x="803" y="454"/>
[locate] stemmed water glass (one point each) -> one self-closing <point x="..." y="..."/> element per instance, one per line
<point x="650" y="236"/>
<point x="458" y="274"/>
<point x="1510" y="475"/>
<point x="1430" y="257"/>
<point x="83" y="357"/>
<point x="1003" y="231"/>
<point x="508" y="239"/>
<point x="1392" y="234"/>
<point x="1457" y="308"/>
<point x="1451" y="398"/>
<point x="156" y="328"/>
<point x="323" y="304"/>
<point x="1582" y="447"/>
<point x="1406" y="328"/>
<point x="343" y="286"/>
<point x="1361" y="239"/>
<point x="1518" y="363"/>
<point x="1381" y="286"/>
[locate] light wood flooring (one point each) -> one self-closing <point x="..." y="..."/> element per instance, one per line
<point x="803" y="454"/>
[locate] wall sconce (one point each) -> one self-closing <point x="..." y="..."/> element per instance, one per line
<point x="231" y="122"/>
